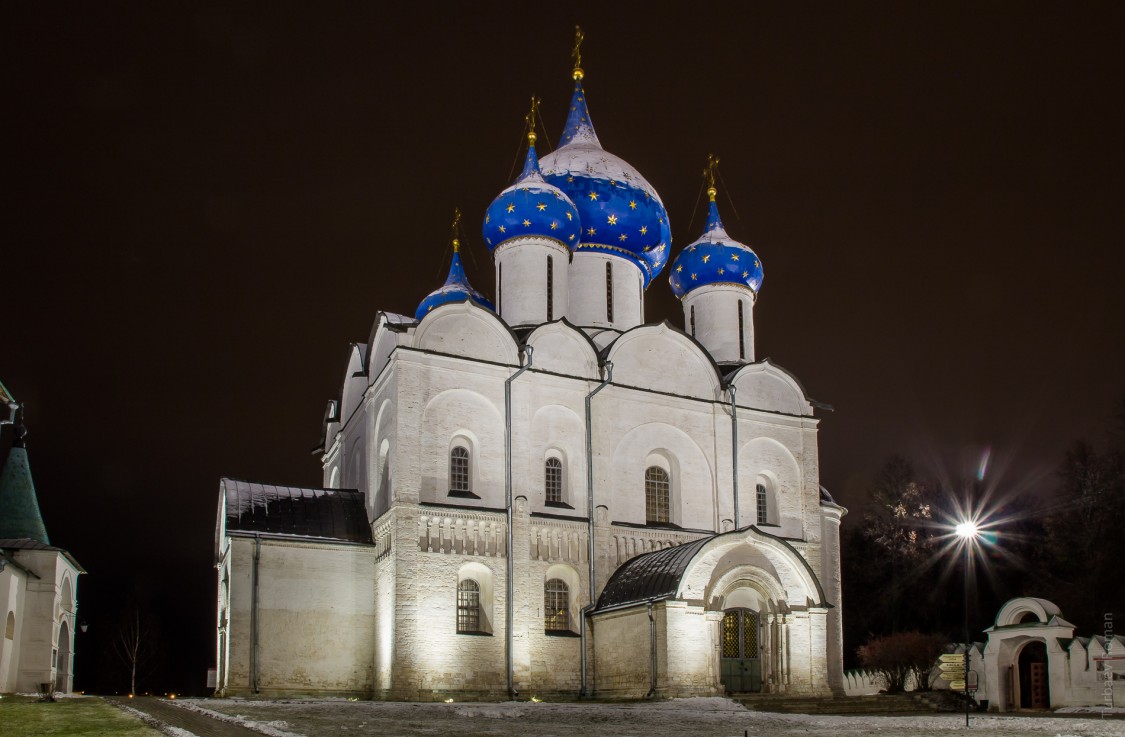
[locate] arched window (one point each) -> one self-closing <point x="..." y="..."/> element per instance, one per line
<point x="553" y="480"/>
<point x="763" y="504"/>
<point x="657" y="485"/>
<point x="556" y="606"/>
<point x="468" y="607"/>
<point x="550" y="288"/>
<point x="459" y="469"/>
<point x="10" y="627"/>
<point x="608" y="292"/>
<point x="693" y="321"/>
<point x="741" y="333"/>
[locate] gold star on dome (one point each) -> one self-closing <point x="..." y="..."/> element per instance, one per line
<point x="644" y="230"/>
<point x="661" y="220"/>
<point x="503" y="229"/>
<point x="541" y="207"/>
<point x="722" y="270"/>
<point x="570" y="237"/>
<point x="612" y="220"/>
<point x="693" y="277"/>
<point x="612" y="183"/>
<point x="511" y="208"/>
<point x="569" y="216"/>
<point x="569" y="179"/>
<point x="756" y="264"/>
<point x="706" y="258"/>
<point x="593" y="196"/>
<point x="648" y="248"/>
<point x="632" y="204"/>
<point x="745" y="274"/>
<point x="526" y="223"/>
<point x="690" y="248"/>
<point x="554" y="225"/>
<point x="679" y="268"/>
<point x="590" y="231"/>
<point x="660" y="248"/>
<point x="622" y="237"/>
<point x="734" y="257"/>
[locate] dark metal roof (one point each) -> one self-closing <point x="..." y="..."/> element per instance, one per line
<point x="825" y="496"/>
<point x="654" y="575"/>
<point x="332" y="514"/>
<point x="19" y="507"/>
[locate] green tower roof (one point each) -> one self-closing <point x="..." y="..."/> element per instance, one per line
<point x="19" y="507"/>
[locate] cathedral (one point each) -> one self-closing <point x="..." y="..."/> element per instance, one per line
<point x="541" y="495"/>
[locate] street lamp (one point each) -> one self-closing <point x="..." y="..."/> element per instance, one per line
<point x="968" y="532"/>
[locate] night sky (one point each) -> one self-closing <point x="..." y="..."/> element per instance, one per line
<point x="204" y="206"/>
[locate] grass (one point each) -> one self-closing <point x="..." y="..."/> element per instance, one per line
<point x="72" y="717"/>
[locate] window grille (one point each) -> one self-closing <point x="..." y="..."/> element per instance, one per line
<point x="741" y="333"/>
<point x="763" y="505"/>
<point x="468" y="606"/>
<point x="459" y="469"/>
<point x="556" y="606"/>
<point x="657" y="485"/>
<point x="608" y="291"/>
<point x="552" y="481"/>
<point x="550" y="288"/>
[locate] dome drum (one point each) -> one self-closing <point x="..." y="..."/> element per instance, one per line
<point x="606" y="291"/>
<point x="532" y="281"/>
<point x="721" y="317"/>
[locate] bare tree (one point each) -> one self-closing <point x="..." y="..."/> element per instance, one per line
<point x="134" y="643"/>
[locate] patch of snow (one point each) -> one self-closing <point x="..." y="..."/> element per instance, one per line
<point x="275" y="728"/>
<point x="1091" y="710"/>
<point x="155" y="723"/>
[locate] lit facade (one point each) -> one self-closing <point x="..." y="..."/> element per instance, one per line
<point x="541" y="494"/>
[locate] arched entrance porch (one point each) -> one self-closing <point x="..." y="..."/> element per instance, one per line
<point x="62" y="663"/>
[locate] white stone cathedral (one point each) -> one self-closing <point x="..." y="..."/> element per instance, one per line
<point x="549" y="496"/>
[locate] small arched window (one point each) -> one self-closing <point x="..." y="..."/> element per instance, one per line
<point x="763" y="504"/>
<point x="459" y="469"/>
<point x="556" y="606"/>
<point x="553" y="480"/>
<point x="741" y="333"/>
<point x="468" y="607"/>
<point x="10" y="627"/>
<point x="657" y="488"/>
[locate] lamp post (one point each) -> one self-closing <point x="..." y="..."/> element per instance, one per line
<point x="968" y="532"/>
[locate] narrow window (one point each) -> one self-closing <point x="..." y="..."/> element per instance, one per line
<point x="693" y="321"/>
<point x="550" y="288"/>
<point x="608" y="291"/>
<point x="468" y="606"/>
<point x="556" y="606"/>
<point x="552" y="481"/>
<point x="459" y="469"/>
<point x="656" y="495"/>
<point x="763" y="505"/>
<point x="741" y="334"/>
<point x="500" y="288"/>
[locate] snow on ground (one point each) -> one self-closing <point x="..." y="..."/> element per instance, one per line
<point x="151" y="721"/>
<point x="702" y="717"/>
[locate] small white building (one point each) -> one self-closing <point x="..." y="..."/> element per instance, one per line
<point x="38" y="586"/>
<point x="549" y="495"/>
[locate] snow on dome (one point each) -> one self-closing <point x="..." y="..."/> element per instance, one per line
<point x="455" y="289"/>
<point x="621" y="213"/>
<point x="531" y="207"/>
<point x="715" y="258"/>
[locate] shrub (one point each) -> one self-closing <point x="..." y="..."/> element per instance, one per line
<point x="896" y="657"/>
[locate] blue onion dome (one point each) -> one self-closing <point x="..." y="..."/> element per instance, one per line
<point x="621" y="213"/>
<point x="715" y="258"/>
<point x="456" y="288"/>
<point x="531" y="207"/>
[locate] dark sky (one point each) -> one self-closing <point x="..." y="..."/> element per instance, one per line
<point x="205" y="205"/>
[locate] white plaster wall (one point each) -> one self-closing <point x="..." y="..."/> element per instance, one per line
<point x="716" y="321"/>
<point x="588" y="291"/>
<point x="13" y="582"/>
<point x="316" y="618"/>
<point x="521" y="278"/>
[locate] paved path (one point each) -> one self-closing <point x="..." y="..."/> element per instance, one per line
<point x="194" y="722"/>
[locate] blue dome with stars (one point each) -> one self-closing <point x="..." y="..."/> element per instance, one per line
<point x="715" y="258"/>
<point x="455" y="289"/>
<point x="531" y="207"/>
<point x="620" y="211"/>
